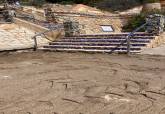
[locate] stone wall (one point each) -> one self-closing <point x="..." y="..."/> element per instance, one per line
<point x="93" y="25"/>
<point x="155" y="24"/>
<point x="71" y="28"/>
<point x="36" y="28"/>
<point x="15" y="37"/>
<point x="89" y="25"/>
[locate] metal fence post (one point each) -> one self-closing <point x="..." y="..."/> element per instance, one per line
<point x="35" y="43"/>
<point x="128" y="38"/>
<point x="128" y="45"/>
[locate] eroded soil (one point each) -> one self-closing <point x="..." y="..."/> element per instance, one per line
<point x="78" y="83"/>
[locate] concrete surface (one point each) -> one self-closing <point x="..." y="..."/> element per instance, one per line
<point x="160" y="50"/>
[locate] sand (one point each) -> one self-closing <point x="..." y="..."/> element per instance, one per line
<point x="78" y="83"/>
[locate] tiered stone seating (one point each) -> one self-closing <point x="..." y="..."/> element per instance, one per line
<point x="101" y="43"/>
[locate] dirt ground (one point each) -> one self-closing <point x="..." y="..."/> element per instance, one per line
<point x="78" y="83"/>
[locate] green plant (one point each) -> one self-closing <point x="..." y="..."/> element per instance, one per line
<point x="134" y="22"/>
<point x="138" y="20"/>
<point x="117" y="5"/>
<point x="38" y="3"/>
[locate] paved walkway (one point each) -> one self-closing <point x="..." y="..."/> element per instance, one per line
<point x="155" y="51"/>
<point x="14" y="37"/>
<point x="160" y="50"/>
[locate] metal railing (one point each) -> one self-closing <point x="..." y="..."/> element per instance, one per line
<point x="131" y="35"/>
<point x="43" y="34"/>
<point x="128" y="39"/>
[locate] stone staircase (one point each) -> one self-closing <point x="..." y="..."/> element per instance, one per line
<point x="101" y="43"/>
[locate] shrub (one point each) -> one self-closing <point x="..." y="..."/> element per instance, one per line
<point x="150" y="1"/>
<point x="38" y="3"/>
<point x="106" y="4"/>
<point x="118" y="4"/>
<point x="138" y="20"/>
<point x="134" y="22"/>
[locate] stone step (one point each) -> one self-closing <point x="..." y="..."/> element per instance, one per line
<point x="96" y="44"/>
<point x="103" y="40"/>
<point x="109" y="37"/>
<point x="88" y="50"/>
<point x="119" y="34"/>
<point x="91" y="47"/>
<point x="105" y="43"/>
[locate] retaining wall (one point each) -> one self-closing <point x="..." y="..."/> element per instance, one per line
<point x="37" y="28"/>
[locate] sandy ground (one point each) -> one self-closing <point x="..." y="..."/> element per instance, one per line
<point x="78" y="83"/>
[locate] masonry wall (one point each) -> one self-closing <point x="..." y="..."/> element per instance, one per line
<point x="36" y="28"/>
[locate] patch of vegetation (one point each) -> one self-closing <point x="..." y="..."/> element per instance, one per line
<point x="37" y="3"/>
<point x="150" y="1"/>
<point x="118" y="5"/>
<point x="138" y="20"/>
<point x="134" y="22"/>
<point x="113" y="5"/>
